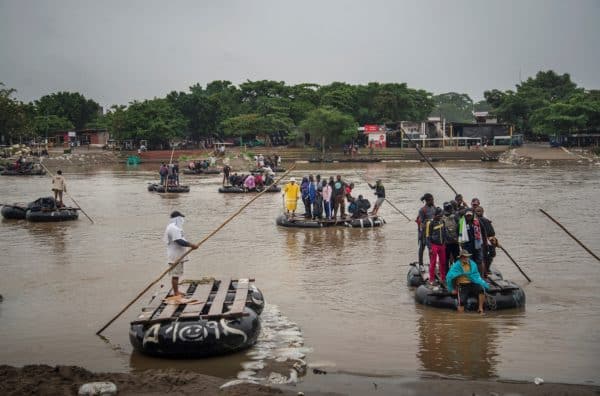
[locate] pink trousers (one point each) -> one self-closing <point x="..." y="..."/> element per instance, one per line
<point x="437" y="252"/>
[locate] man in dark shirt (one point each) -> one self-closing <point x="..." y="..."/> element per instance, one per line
<point x="339" y="193"/>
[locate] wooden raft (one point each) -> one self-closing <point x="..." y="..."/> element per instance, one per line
<point x="207" y="300"/>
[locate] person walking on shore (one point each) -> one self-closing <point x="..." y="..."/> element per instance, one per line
<point x="59" y="185"/>
<point x="176" y="247"/>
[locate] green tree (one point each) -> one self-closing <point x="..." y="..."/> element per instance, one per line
<point x="153" y="120"/>
<point x="70" y="105"/>
<point x="46" y="125"/>
<point x="14" y="119"/>
<point x="327" y="126"/>
<point x="454" y="107"/>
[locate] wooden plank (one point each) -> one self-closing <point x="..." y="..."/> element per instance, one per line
<point x="241" y="295"/>
<point x="148" y="311"/>
<point x="201" y="295"/>
<point x="170" y="309"/>
<point x="217" y="304"/>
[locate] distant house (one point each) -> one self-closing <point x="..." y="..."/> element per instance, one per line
<point x="484" y="117"/>
<point x="82" y="137"/>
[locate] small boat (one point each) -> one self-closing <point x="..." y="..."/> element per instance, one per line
<point x="242" y="190"/>
<point x="431" y="159"/>
<point x="159" y="188"/>
<point x="57" y="214"/>
<point x="40" y="210"/>
<point x="215" y="317"/>
<point x="502" y="294"/>
<point x="329" y="160"/>
<point x="200" y="171"/>
<point x="303" y="222"/>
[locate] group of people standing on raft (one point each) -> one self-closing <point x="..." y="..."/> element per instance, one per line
<point x="169" y="174"/>
<point x="461" y="241"/>
<point x="324" y="199"/>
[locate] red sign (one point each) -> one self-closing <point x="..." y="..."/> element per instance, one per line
<point x="371" y="128"/>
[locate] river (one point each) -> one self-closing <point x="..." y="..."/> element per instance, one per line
<point x="343" y="291"/>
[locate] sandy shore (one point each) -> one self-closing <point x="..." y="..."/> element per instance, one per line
<point x="66" y="380"/>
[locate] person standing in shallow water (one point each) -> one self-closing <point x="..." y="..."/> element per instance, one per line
<point x="59" y="185"/>
<point x="176" y="247"/>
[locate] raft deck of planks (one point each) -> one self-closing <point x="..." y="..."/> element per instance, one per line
<point x="212" y="299"/>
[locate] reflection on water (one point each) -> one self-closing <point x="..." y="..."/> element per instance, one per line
<point x="464" y="345"/>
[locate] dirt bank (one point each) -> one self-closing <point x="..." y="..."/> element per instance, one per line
<point x="66" y="380"/>
<point x="536" y="154"/>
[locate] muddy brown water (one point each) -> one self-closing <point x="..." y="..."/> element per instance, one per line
<point x="345" y="289"/>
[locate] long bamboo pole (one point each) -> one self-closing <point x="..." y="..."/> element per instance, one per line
<point x="206" y="238"/>
<point x="68" y="195"/>
<point x="386" y="200"/>
<point x="429" y="162"/>
<point x="571" y="235"/>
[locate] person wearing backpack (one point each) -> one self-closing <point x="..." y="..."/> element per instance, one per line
<point x="436" y="234"/>
<point x="451" y="222"/>
<point x="163" y="172"/>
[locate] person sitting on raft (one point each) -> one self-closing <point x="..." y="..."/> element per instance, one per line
<point x="249" y="183"/>
<point x="464" y="280"/>
<point x="359" y="208"/>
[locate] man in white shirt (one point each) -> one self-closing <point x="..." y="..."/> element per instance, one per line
<point x="176" y="247"/>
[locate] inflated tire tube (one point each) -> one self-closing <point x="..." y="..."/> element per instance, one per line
<point x="505" y="298"/>
<point x="414" y="277"/>
<point x="196" y="338"/>
<point x="13" y="212"/>
<point x="367" y="222"/>
<point x="299" y="222"/>
<point x="51" y="216"/>
<point x="170" y="189"/>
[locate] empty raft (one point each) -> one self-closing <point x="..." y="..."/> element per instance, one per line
<point x="215" y="317"/>
<point x="242" y="190"/>
<point x="159" y="188"/>
<point x="302" y="222"/>
<point x="502" y="294"/>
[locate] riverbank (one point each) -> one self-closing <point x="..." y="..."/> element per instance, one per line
<point x="66" y="380"/>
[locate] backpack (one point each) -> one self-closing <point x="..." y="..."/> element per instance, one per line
<point x="451" y="228"/>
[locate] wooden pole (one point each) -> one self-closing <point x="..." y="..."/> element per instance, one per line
<point x="571" y="235"/>
<point x="386" y="200"/>
<point x="68" y="195"/>
<point x="430" y="164"/>
<point x="515" y="263"/>
<point x="219" y="228"/>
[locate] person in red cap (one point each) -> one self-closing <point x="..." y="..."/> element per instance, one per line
<point x="176" y="247"/>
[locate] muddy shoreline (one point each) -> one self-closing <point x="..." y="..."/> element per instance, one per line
<point x="66" y="380"/>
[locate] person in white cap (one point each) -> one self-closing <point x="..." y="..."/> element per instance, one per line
<point x="176" y="247"/>
<point x="291" y="193"/>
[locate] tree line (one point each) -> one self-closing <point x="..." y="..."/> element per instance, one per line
<point x="548" y="103"/>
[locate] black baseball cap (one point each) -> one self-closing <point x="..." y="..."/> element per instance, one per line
<point x="176" y="214"/>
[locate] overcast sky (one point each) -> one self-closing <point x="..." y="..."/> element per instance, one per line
<point x="117" y="51"/>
